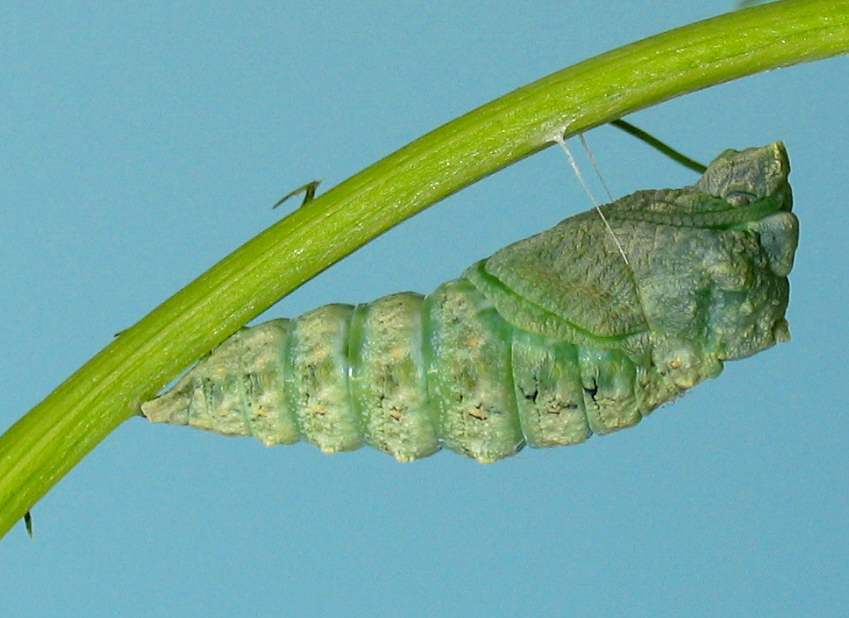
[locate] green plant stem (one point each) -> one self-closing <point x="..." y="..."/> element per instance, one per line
<point x="655" y="143"/>
<point x="38" y="450"/>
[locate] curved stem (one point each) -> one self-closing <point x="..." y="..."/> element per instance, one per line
<point x="38" y="450"/>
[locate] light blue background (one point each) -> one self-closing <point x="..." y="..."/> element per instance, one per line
<point x="141" y="142"/>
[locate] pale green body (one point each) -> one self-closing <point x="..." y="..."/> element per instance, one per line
<point x="546" y="342"/>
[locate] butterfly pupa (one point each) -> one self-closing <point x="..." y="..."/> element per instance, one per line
<point x="544" y="343"/>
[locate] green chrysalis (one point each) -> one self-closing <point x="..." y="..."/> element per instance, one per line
<point x="544" y="343"/>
